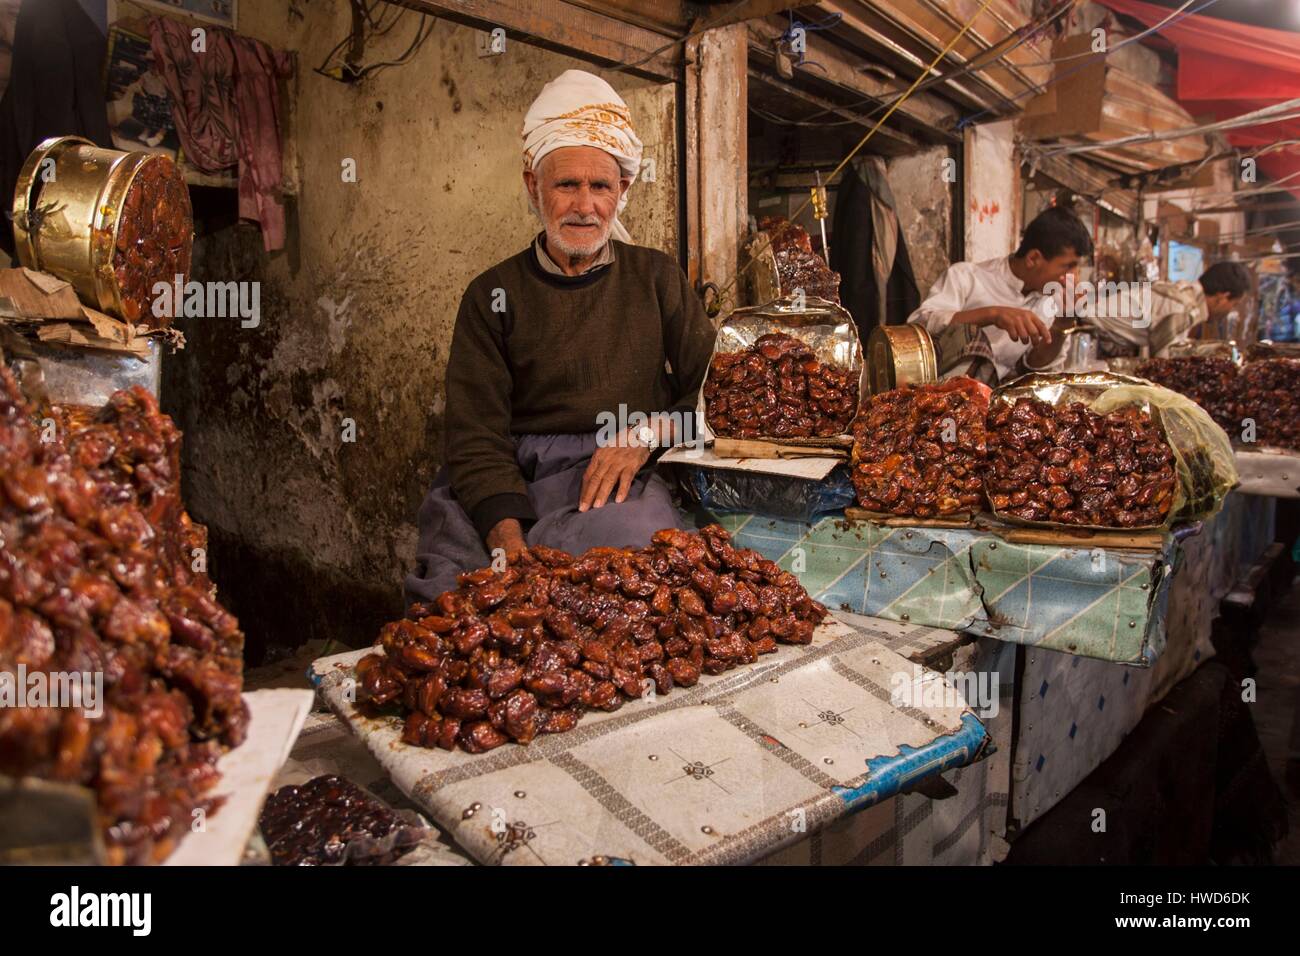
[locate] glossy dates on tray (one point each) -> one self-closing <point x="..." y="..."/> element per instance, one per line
<point x="1211" y="382"/>
<point x="524" y="651"/>
<point x="97" y="577"/>
<point x="777" y="388"/>
<point x="919" y="450"/>
<point x="1072" y="466"/>
<point x="798" y="267"/>
<point x="1271" y="396"/>
<point x="313" y="823"/>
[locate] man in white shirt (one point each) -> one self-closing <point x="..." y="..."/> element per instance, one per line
<point x="1168" y="311"/>
<point x="991" y="320"/>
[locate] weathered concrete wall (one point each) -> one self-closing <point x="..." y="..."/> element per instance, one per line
<point x="924" y="202"/>
<point x="311" y="534"/>
<point x="992" y="218"/>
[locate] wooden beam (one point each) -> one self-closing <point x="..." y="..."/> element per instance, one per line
<point x="873" y="29"/>
<point x="565" y="28"/>
<point x="691" y="160"/>
<point x="669" y="17"/>
<point x="721" y="116"/>
<point x="941" y="19"/>
<point x="1090" y="181"/>
<point x="676" y="17"/>
<point x="834" y="67"/>
<point x="796" y="181"/>
<point x="894" y="141"/>
<point x="752" y="10"/>
<point x="931" y="27"/>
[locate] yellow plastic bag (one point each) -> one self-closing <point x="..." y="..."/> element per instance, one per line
<point x="1203" y="458"/>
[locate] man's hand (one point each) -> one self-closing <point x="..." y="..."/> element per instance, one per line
<point x="611" y="467"/>
<point x="1046" y="353"/>
<point x="1021" y="324"/>
<point x="508" y="535"/>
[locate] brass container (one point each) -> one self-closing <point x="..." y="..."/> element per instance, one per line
<point x="900" y="355"/>
<point x="66" y="211"/>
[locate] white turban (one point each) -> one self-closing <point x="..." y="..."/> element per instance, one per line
<point x="580" y="109"/>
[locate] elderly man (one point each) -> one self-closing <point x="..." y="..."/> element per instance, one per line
<point x="578" y="330"/>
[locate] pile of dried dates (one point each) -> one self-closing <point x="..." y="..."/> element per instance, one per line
<point x="1271" y="396"/>
<point x="323" y="821"/>
<point x="526" y="650"/>
<point x="920" y="450"/>
<point x="96" y="578"/>
<point x="1211" y="382"/>
<point x="1265" y="391"/>
<point x="797" y="266"/>
<point x="1072" y="466"/>
<point x="777" y="388"/>
<point x="155" y="235"/>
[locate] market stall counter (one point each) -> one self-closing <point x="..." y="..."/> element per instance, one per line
<point x="728" y="771"/>
<point x="1102" y="602"/>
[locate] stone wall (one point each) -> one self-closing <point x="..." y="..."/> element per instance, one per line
<point x="311" y="534"/>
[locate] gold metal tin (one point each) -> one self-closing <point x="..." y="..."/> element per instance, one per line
<point x="900" y="355"/>
<point x="77" y="213"/>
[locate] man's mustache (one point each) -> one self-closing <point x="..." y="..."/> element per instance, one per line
<point x="581" y="221"/>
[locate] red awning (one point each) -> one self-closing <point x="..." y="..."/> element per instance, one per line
<point x="1226" y="69"/>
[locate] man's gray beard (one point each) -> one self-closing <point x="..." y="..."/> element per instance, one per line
<point x="577" y="252"/>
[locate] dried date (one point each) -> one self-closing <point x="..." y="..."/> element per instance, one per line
<point x="919" y="450"/>
<point x="601" y="626"/>
<point x="798" y="267"/>
<point x="97" y="575"/>
<point x="1072" y="466"/>
<point x="1271" y="397"/>
<point x="1213" y="383"/>
<point x="777" y="388"/>
<point x="155" y="235"/>
<point x="313" y="824"/>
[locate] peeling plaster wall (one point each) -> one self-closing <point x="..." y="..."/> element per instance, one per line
<point x="992" y="218"/>
<point x="311" y="534"/>
<point x="924" y="202"/>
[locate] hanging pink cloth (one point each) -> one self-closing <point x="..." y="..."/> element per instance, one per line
<point x="226" y="105"/>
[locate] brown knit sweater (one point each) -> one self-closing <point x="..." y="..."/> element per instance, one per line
<point x="547" y="354"/>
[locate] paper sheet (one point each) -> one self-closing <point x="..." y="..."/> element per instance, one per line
<point x="276" y="717"/>
<point x="814" y="469"/>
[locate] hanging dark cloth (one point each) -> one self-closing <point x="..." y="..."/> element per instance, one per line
<point x="869" y="251"/>
<point x="56" y="88"/>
